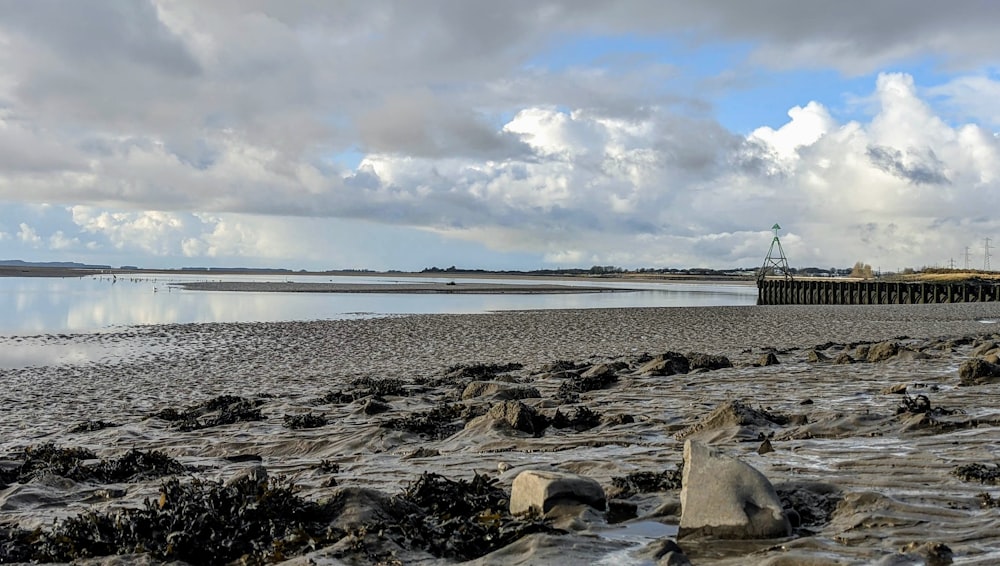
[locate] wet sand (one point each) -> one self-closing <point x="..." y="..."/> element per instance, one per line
<point x="894" y="472"/>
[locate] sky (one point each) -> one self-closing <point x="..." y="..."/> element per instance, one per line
<point x="372" y="134"/>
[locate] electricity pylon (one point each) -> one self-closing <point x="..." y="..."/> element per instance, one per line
<point x="776" y="262"/>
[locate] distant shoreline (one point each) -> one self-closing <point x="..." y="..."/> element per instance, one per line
<point x="38" y="271"/>
<point x="404" y="288"/>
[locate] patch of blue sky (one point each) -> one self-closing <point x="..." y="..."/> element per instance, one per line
<point x="742" y="96"/>
<point x="347" y="160"/>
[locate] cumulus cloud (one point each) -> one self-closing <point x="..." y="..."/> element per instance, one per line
<point x="28" y="235"/>
<point x="221" y="129"/>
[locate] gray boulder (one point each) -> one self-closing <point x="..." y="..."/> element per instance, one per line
<point x="978" y="371"/>
<point x="499" y="391"/>
<point x="723" y="497"/>
<point x="983" y="349"/>
<point x="669" y="363"/>
<point x="844" y="358"/>
<point x="768" y="359"/>
<point x="518" y="416"/>
<point x="603" y="370"/>
<point x="882" y="351"/>
<point x="698" y="360"/>
<point x="543" y="490"/>
<point x="815" y="356"/>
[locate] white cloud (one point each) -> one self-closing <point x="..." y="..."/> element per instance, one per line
<point x="807" y="125"/>
<point x="59" y="241"/>
<point x="182" y="129"/>
<point x="28" y="235"/>
<point x="151" y="232"/>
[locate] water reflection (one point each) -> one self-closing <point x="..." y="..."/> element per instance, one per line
<point x="54" y="305"/>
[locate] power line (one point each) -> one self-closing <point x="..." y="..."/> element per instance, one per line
<point x="986" y="257"/>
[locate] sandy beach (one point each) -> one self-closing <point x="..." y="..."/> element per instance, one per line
<point x="892" y="476"/>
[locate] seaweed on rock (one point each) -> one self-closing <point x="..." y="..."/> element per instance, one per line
<point x="228" y="409"/>
<point x="199" y="523"/>
<point x="91" y="426"/>
<point x="583" y="419"/>
<point x="16" y="545"/>
<point x="72" y="463"/>
<point x="462" y="520"/>
<point x="648" y="482"/>
<point x="480" y="371"/>
<point x="982" y="473"/>
<point x="49" y="458"/>
<point x="439" y="422"/>
<point x="307" y="420"/>
<point x="368" y="387"/>
<point x="921" y="404"/>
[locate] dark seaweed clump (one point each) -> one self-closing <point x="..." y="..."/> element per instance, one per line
<point x="72" y="463"/>
<point x="987" y="501"/>
<point x="569" y="390"/>
<point x="227" y="409"/>
<point x="49" y="458"/>
<point x="648" y="482"/>
<point x="437" y="423"/>
<point x="481" y="371"/>
<point x="91" y="426"/>
<point x="463" y="520"/>
<point x="365" y="387"/>
<point x="16" y="545"/>
<point x="369" y="386"/>
<point x="583" y="419"/>
<point x="982" y="473"/>
<point x="307" y="420"/>
<point x="921" y="404"/>
<point x="197" y="522"/>
<point x="812" y="507"/>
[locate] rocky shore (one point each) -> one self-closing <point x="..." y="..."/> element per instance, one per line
<point x="515" y="438"/>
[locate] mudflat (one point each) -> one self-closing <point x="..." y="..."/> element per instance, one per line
<point x="370" y="410"/>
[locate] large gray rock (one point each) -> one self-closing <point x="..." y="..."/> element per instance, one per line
<point x="882" y="351"/>
<point x="978" y="371"/>
<point x="726" y="498"/>
<point x="982" y="350"/>
<point x="668" y="363"/>
<point x="698" y="360"/>
<point x="518" y="416"/>
<point x="544" y="489"/>
<point x="729" y="420"/>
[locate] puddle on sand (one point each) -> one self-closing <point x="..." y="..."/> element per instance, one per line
<point x="27" y="353"/>
<point x="638" y="534"/>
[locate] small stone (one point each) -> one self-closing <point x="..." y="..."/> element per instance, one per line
<point x="897" y="389"/>
<point x="765" y="447"/>
<point x="844" y="358"/>
<point x="815" y="356"/>
<point x="620" y="510"/>
<point x="768" y="359"/>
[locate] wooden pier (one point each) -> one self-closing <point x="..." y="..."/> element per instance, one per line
<point x="834" y="292"/>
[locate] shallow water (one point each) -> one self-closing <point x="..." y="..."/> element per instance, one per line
<point x="32" y="306"/>
<point x="36" y="305"/>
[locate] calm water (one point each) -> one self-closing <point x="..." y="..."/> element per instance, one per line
<point x="42" y="305"/>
